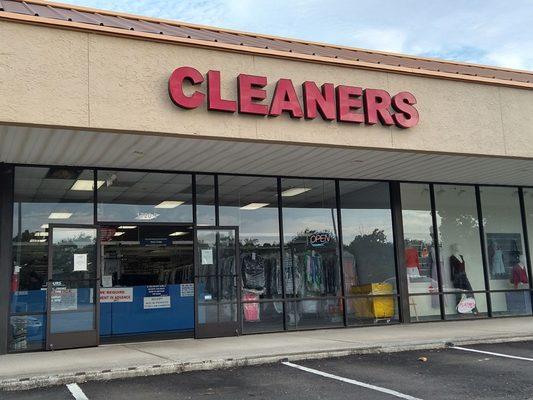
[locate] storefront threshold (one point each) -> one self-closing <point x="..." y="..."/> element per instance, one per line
<point x="147" y="337"/>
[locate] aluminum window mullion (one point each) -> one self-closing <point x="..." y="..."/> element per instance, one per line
<point x="523" y="215"/>
<point x="483" y="251"/>
<point x="341" y="250"/>
<point x="282" y="255"/>
<point x="437" y="249"/>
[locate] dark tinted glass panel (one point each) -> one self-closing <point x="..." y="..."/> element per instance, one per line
<point x="311" y="252"/>
<point x="144" y="197"/>
<point x="516" y="302"/>
<point x="205" y="200"/>
<point x="460" y="250"/>
<point x="261" y="317"/>
<point x="504" y="240"/>
<point x="251" y="203"/>
<point x="367" y="234"/>
<point x="314" y="313"/>
<point x="43" y="196"/>
<point x="27" y="332"/>
<point x="420" y="258"/>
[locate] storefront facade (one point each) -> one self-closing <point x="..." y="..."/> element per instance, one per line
<point x="163" y="180"/>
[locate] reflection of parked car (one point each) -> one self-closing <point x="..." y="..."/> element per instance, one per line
<point x="26" y="328"/>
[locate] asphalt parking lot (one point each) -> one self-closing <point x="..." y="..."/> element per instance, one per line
<point x="445" y="374"/>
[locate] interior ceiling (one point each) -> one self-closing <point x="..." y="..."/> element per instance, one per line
<point x="31" y="145"/>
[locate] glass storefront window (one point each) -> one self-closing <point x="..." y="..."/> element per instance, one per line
<point x="420" y="259"/>
<point x="147" y="197"/>
<point x="504" y="241"/>
<point x="251" y="203"/>
<point x="461" y="261"/>
<point x="147" y="280"/>
<point x="311" y="250"/>
<point x="368" y="252"/>
<point x="43" y="196"/>
<point x="205" y="200"/>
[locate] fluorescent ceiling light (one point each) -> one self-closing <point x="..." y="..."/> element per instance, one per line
<point x="44" y="226"/>
<point x="294" y="192"/>
<point x="37" y="240"/>
<point x="127" y="227"/>
<point x="41" y="234"/>
<point x="254" y="206"/>
<point x="119" y="233"/>
<point x="169" y="204"/>
<point x="178" y="233"/>
<point x="60" y="215"/>
<point x="86" y="184"/>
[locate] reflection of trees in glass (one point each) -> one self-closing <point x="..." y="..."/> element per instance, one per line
<point x="457" y="226"/>
<point x="374" y="256"/>
<point x="65" y="249"/>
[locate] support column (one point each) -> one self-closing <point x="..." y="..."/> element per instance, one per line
<point x="6" y="246"/>
<point x="399" y="252"/>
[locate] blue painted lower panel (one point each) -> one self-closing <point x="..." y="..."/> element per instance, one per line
<point x="131" y="317"/>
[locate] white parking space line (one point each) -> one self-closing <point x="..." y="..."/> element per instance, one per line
<point x="76" y="391"/>
<point x="491" y="353"/>
<point x="351" y="381"/>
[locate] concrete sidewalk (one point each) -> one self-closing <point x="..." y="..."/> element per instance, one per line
<point x="29" y="370"/>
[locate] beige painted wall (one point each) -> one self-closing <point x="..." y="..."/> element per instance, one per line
<point x="58" y="77"/>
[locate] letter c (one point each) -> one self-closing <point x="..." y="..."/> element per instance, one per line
<point x="175" y="87"/>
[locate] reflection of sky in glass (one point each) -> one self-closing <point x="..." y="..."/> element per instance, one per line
<point x="129" y="212"/>
<point x="261" y="224"/>
<point x="297" y="220"/>
<point x="364" y="222"/>
<point x="34" y="215"/>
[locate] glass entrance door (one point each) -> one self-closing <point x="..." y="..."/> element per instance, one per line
<point x="217" y="279"/>
<point x="72" y="287"/>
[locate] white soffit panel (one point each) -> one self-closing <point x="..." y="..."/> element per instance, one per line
<point x="31" y="145"/>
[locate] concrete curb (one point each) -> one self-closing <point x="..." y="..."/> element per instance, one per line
<point x="179" y="367"/>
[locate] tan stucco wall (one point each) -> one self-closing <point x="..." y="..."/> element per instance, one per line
<point x="74" y="79"/>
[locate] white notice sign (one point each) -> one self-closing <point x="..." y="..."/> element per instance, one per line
<point x="116" y="295"/>
<point x="80" y="262"/>
<point x="207" y="256"/>
<point x="107" y="280"/>
<point x="187" y="290"/>
<point x="156" y="302"/>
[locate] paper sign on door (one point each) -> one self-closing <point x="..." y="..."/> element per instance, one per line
<point x="207" y="256"/>
<point x="80" y="262"/>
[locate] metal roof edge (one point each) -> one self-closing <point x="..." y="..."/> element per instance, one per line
<point x="269" y="36"/>
<point x="70" y="25"/>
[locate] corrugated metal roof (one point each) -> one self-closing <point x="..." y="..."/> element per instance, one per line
<point x="100" y="18"/>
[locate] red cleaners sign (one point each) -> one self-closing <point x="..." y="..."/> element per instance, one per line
<point x="350" y="104"/>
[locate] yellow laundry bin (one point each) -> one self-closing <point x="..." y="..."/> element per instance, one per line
<point x="373" y="307"/>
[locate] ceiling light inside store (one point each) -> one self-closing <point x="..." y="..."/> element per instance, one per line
<point x="254" y="206"/>
<point x="42" y="234"/>
<point x="37" y="240"/>
<point x="119" y="233"/>
<point x="169" y="204"/>
<point x="294" y="192"/>
<point x="178" y="233"/>
<point x="60" y="215"/>
<point x="44" y="226"/>
<point x="86" y="185"/>
<point x="127" y="227"/>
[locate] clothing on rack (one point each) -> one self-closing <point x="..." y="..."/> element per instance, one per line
<point x="498" y="266"/>
<point x="519" y="275"/>
<point x="253" y="271"/>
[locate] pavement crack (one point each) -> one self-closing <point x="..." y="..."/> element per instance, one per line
<point x="149" y="353"/>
